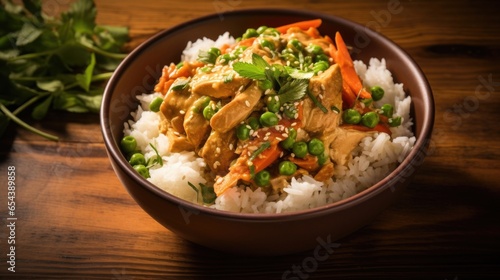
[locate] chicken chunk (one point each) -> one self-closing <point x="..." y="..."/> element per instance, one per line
<point x="218" y="151"/>
<point x="326" y="87"/>
<point x="215" y="83"/>
<point x="237" y="110"/>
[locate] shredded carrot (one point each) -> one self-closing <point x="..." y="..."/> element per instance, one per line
<point x="313" y="32"/>
<point x="246" y="42"/>
<point x="267" y="157"/>
<point x="304" y="25"/>
<point x="309" y="162"/>
<point x="350" y="78"/>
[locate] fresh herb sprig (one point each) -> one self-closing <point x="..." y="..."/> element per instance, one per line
<point x="54" y="63"/>
<point x="289" y="83"/>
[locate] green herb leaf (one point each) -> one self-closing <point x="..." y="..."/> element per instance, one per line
<point x="293" y="90"/>
<point x="158" y="159"/>
<point x="180" y="84"/>
<point x="249" y="70"/>
<point x="41" y="109"/>
<point x="260" y="62"/>
<point x="43" y="57"/>
<point x="85" y="79"/>
<point x="28" y="34"/>
<point x="207" y="194"/>
<point x="50" y="85"/>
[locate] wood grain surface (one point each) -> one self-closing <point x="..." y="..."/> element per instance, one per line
<point x="76" y="221"/>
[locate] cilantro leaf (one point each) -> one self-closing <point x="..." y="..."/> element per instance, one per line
<point x="57" y="63"/>
<point x="85" y="79"/>
<point x="293" y="90"/>
<point x="249" y="70"/>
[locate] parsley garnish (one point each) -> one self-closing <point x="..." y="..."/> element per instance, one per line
<point x="54" y="63"/>
<point x="290" y="84"/>
<point x="180" y="84"/>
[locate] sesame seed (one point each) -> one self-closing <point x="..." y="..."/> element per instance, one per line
<point x="216" y="164"/>
<point x="247" y="103"/>
<point x="219" y="180"/>
<point x="322" y="86"/>
<point x="231" y="146"/>
<point x="182" y="112"/>
<point x="284" y="135"/>
<point x="217" y="150"/>
<point x="294" y="124"/>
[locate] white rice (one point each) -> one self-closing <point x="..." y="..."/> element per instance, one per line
<point x="372" y="160"/>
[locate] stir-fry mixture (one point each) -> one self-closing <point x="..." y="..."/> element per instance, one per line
<point x="279" y="103"/>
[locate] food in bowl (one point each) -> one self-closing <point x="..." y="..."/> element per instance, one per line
<point x="277" y="120"/>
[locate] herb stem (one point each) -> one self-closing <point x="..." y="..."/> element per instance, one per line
<point x="102" y="52"/>
<point x="20" y="122"/>
<point x="29" y="102"/>
<point x="95" y="78"/>
<point x="32" y="55"/>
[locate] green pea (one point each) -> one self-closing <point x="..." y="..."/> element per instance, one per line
<point x="299" y="149"/>
<point x="315" y="146"/>
<point x="261" y="29"/>
<point x="322" y="158"/>
<point x="289" y="111"/>
<point x="288" y="142"/>
<point x="136" y="159"/>
<point x="314" y="49"/>
<point x="262" y="178"/>
<point x="351" y="116"/>
<point x="269" y="119"/>
<point x="155" y="104"/>
<point x="395" y="121"/>
<point x="225" y="58"/>
<point x="295" y="45"/>
<point x="321" y="57"/>
<point x="249" y="33"/>
<point x="377" y="93"/>
<point x="142" y="170"/>
<point x="270" y="31"/>
<point x="287" y="168"/>
<point x="387" y="110"/>
<point x="243" y="132"/>
<point x="128" y="144"/>
<point x="200" y="104"/>
<point x="267" y="44"/>
<point x="367" y="101"/>
<point x="253" y="122"/>
<point x="208" y="112"/>
<point x="370" y="119"/>
<point x="273" y="103"/>
<point x="320" y="66"/>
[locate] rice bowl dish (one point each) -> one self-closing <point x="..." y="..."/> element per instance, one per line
<point x="182" y="172"/>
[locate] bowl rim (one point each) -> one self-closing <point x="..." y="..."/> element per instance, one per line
<point x="421" y="143"/>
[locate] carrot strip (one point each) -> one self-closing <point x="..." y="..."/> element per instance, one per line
<point x="267" y="157"/>
<point x="349" y="76"/>
<point x="309" y="162"/>
<point x="304" y="25"/>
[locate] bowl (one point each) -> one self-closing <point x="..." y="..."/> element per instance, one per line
<point x="260" y="234"/>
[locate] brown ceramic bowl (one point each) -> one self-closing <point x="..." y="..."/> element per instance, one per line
<point x="260" y="234"/>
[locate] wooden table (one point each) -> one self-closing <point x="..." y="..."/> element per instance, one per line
<point x="75" y="220"/>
